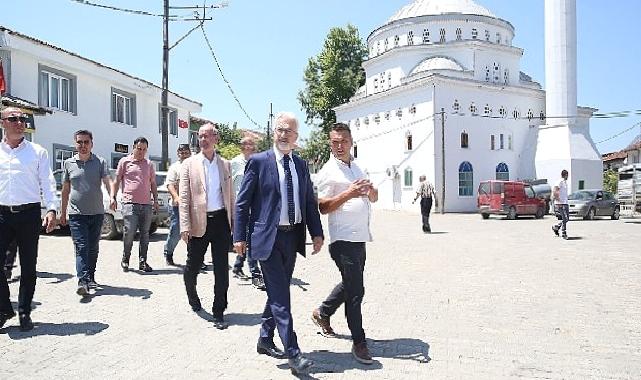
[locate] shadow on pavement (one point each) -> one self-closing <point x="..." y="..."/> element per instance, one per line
<point x="57" y="329"/>
<point x="575" y="238"/>
<point x="235" y="319"/>
<point x="59" y="277"/>
<point x="300" y="283"/>
<point x="107" y="290"/>
<point x="339" y="362"/>
<point x="157" y="272"/>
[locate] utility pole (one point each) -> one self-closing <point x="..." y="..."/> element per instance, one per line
<point x="164" y="110"/>
<point x="443" y="160"/>
<point x="164" y="98"/>
<point x="270" y="123"/>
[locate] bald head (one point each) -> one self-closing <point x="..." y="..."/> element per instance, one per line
<point x="208" y="139"/>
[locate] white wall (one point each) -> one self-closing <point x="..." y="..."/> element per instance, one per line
<point x="94" y="84"/>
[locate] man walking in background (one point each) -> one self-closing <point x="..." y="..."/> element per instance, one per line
<point x="247" y="147"/>
<point x="344" y="193"/>
<point x="561" y="204"/>
<point x="425" y="191"/>
<point x="173" y="179"/>
<point x="82" y="178"/>
<point x="138" y="178"/>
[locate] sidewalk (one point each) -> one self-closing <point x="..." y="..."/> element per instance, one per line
<point x="475" y="299"/>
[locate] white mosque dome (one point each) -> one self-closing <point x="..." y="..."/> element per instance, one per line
<point x="437" y="63"/>
<point x="439" y="7"/>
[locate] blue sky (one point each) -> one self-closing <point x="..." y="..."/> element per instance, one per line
<point x="263" y="47"/>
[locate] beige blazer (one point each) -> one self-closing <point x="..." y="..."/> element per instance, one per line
<point x="193" y="194"/>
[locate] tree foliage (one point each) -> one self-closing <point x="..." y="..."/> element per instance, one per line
<point x="229" y="143"/>
<point x="331" y="79"/>
<point x="610" y="179"/>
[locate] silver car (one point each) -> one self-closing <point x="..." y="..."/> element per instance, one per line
<point x="589" y="204"/>
<point x="112" y="225"/>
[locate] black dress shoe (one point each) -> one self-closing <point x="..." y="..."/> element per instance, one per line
<point x="219" y="323"/>
<point x="5" y="316"/>
<point x="299" y="364"/>
<point x="169" y="260"/>
<point x="269" y="349"/>
<point x="25" y="322"/>
<point x="143" y="266"/>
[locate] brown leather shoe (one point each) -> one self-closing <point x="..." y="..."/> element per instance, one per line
<point x="361" y="353"/>
<point x="323" y="323"/>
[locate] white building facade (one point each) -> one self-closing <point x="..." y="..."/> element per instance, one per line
<point x="443" y="80"/>
<point x="84" y="94"/>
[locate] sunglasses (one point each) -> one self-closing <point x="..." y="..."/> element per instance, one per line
<point x="15" y="119"/>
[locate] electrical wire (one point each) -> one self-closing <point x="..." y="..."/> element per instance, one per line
<point x="222" y="74"/>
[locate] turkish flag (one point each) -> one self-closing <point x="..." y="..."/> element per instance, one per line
<point x="3" y="83"/>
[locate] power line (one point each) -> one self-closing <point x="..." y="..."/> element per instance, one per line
<point x="132" y="11"/>
<point x="231" y="90"/>
<point x="620" y="133"/>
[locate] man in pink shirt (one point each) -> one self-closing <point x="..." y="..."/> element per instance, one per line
<point x="138" y="178"/>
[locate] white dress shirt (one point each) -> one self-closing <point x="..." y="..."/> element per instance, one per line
<point x="24" y="174"/>
<point x="349" y="222"/>
<point x="212" y="178"/>
<point x="284" y="216"/>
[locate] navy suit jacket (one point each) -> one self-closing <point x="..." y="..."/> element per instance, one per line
<point x="258" y="205"/>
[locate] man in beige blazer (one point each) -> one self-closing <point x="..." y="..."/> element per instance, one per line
<point x="206" y="214"/>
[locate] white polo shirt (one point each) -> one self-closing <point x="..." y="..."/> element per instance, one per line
<point x="349" y="222"/>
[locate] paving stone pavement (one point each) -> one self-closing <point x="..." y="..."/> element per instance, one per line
<point x="494" y="299"/>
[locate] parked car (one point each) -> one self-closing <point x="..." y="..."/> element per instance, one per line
<point x="589" y="204"/>
<point x="112" y="225"/>
<point x="57" y="174"/>
<point x="510" y="198"/>
<point x="164" y="200"/>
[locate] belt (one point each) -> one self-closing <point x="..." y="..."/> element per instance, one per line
<point x="288" y="227"/>
<point x="18" y="208"/>
<point x="211" y="214"/>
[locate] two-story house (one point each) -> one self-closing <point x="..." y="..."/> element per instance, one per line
<point x="81" y="93"/>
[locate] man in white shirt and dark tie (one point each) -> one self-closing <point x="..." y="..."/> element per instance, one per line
<point x="25" y="174"/>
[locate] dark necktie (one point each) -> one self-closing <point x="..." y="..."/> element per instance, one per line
<point x="290" y="190"/>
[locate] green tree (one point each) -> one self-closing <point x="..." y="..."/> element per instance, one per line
<point x="229" y="143"/>
<point x="331" y="78"/>
<point x="610" y="179"/>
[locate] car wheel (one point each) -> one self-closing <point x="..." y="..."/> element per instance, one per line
<point x="539" y="213"/>
<point x="615" y="215"/>
<point x="591" y="213"/>
<point x="109" y="230"/>
<point x="485" y="216"/>
<point x="511" y="213"/>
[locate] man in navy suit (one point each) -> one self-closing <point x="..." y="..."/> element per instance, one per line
<point x="275" y="204"/>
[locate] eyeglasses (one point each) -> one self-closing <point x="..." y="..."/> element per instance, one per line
<point x="85" y="142"/>
<point x="283" y="131"/>
<point x="15" y="119"/>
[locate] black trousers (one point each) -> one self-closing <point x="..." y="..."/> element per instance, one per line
<point x="24" y="227"/>
<point x="11" y="256"/>
<point x="426" y="207"/>
<point x="350" y="260"/>
<point x="218" y="234"/>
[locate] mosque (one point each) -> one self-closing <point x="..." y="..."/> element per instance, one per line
<point x="445" y="97"/>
